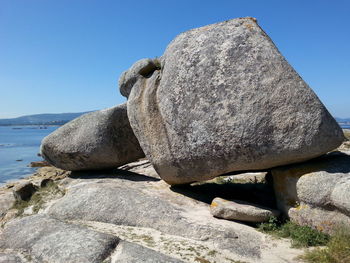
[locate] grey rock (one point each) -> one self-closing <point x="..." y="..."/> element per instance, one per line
<point x="257" y="177"/>
<point x="50" y="240"/>
<point x="24" y="190"/>
<point x="324" y="220"/>
<point x="11" y="258"/>
<point x="141" y="209"/>
<point x="7" y="200"/>
<point x="132" y="253"/>
<point x="97" y="140"/>
<point x="151" y="206"/>
<point x="225" y="100"/>
<point x="240" y="210"/>
<point x="143" y="67"/>
<point x="340" y="196"/>
<point x="321" y="185"/>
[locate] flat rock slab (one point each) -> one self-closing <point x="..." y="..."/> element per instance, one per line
<point x="97" y="140"/>
<point x="99" y="209"/>
<point x="51" y="240"/>
<point x="224" y="99"/>
<point x="132" y="253"/>
<point x="128" y="202"/>
<point x="11" y="258"/>
<point x="120" y="204"/>
<point x="242" y="211"/>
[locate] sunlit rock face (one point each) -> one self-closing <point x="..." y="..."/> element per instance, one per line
<point x="97" y="140"/>
<point x="222" y="98"/>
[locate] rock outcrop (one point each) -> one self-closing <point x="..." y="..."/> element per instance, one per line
<point x="123" y="216"/>
<point x="315" y="193"/>
<point x="96" y="140"/>
<point x="224" y="99"/>
<point x="132" y="253"/>
<point x="50" y="240"/>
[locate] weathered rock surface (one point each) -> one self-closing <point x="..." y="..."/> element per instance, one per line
<point x="50" y="240"/>
<point x="154" y="221"/>
<point x="97" y="140"/>
<point x="12" y="258"/>
<point x="143" y="67"/>
<point x="132" y="253"/>
<point x="225" y="100"/>
<point x="240" y="210"/>
<point x="346" y="144"/>
<point x="315" y="193"/>
<point x="7" y="200"/>
<point x="122" y="204"/>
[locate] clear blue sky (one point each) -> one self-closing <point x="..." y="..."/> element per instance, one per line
<point x="67" y="55"/>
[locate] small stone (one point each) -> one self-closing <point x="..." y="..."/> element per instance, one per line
<point x="240" y="210"/>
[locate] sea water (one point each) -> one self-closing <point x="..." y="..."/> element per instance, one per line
<point x="19" y="145"/>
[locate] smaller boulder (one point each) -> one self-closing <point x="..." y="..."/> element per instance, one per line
<point x="316" y="192"/>
<point x="97" y="140"/>
<point x="240" y="210"/>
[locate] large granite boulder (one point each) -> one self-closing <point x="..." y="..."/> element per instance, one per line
<point x="224" y="99"/>
<point x="97" y="140"/>
<point x="315" y="193"/>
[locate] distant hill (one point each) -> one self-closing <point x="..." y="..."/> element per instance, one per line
<point x="62" y="118"/>
<point x="42" y="119"/>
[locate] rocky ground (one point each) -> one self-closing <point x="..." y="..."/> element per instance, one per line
<point x="130" y="215"/>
